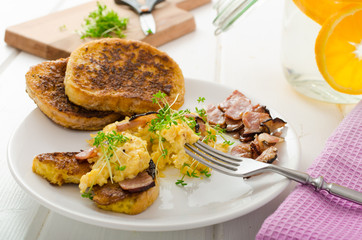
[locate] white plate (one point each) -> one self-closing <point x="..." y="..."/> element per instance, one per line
<point x="200" y="203"/>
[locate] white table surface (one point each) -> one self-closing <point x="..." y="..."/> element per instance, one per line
<point x="247" y="57"/>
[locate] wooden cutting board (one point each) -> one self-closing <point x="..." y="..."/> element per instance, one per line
<point x="54" y="36"/>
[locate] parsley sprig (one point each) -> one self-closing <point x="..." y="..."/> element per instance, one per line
<point x="103" y="23"/>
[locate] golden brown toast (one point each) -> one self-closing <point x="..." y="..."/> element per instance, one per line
<point x="45" y="85"/>
<point x="63" y="167"/>
<point x="60" y="167"/>
<point x="111" y="197"/>
<point x="122" y="75"/>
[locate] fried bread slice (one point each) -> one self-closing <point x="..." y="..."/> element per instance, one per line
<point x="45" y="85"/>
<point x="111" y="197"/>
<point x="60" y="167"/>
<point x="122" y="75"/>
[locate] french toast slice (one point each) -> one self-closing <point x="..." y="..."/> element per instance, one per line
<point x="122" y="75"/>
<point x="45" y="85"/>
<point x="111" y="197"/>
<point x="60" y="167"/>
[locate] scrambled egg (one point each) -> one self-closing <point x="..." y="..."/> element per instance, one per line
<point x="171" y="140"/>
<point x="132" y="156"/>
<point x="165" y="147"/>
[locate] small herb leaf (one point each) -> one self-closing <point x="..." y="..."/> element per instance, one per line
<point x="102" y="23"/>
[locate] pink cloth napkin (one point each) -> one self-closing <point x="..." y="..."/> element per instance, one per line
<point x="307" y="214"/>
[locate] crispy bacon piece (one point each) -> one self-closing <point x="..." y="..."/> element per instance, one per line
<point x="258" y="146"/>
<point x="237" y="110"/>
<point x="241" y="150"/>
<point x="260" y="108"/>
<point x="268" y="155"/>
<point x="252" y="121"/>
<point x="141" y="182"/>
<point x="230" y="100"/>
<point x="277" y="134"/>
<point x="89" y="153"/>
<point x="134" y="122"/>
<point x="235" y="105"/>
<point x="235" y="134"/>
<point x="233" y="125"/>
<point x="251" y="124"/>
<point x="114" y="192"/>
<point x="215" y="116"/>
<point x="269" y="139"/>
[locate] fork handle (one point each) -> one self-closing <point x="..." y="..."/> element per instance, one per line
<point x="319" y="184"/>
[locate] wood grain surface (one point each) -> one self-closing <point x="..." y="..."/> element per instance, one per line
<point x="55" y="35"/>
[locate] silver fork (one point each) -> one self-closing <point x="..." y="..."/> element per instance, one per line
<point x="246" y="167"/>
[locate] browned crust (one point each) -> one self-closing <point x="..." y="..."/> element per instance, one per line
<point x="109" y="193"/>
<point x="122" y="75"/>
<point x="45" y="85"/>
<point x="60" y="167"/>
<point x="111" y="197"/>
<point x="66" y="161"/>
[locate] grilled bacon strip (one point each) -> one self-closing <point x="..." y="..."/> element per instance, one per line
<point x="89" y="153"/>
<point x="141" y="182"/>
<point x="133" y="122"/>
<point x="215" y="116"/>
<point x="251" y="124"/>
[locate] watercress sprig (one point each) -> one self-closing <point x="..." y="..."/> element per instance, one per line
<point x="108" y="144"/>
<point x="103" y="23"/>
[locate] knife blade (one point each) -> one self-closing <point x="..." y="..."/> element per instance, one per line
<point x="148" y="24"/>
<point x="147" y="21"/>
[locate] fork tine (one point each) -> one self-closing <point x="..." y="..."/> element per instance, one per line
<point x="207" y="154"/>
<point x="217" y="153"/>
<point x="212" y="163"/>
<point x="209" y="164"/>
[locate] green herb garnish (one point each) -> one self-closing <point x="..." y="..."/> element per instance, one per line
<point x="120" y="168"/>
<point x="166" y="116"/>
<point x="181" y="182"/>
<point x="201" y="99"/>
<point x="206" y="172"/>
<point x="102" y="23"/>
<point x="108" y="143"/>
<point x="88" y="194"/>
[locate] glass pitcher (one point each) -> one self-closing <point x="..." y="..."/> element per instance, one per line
<point x="297" y="56"/>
